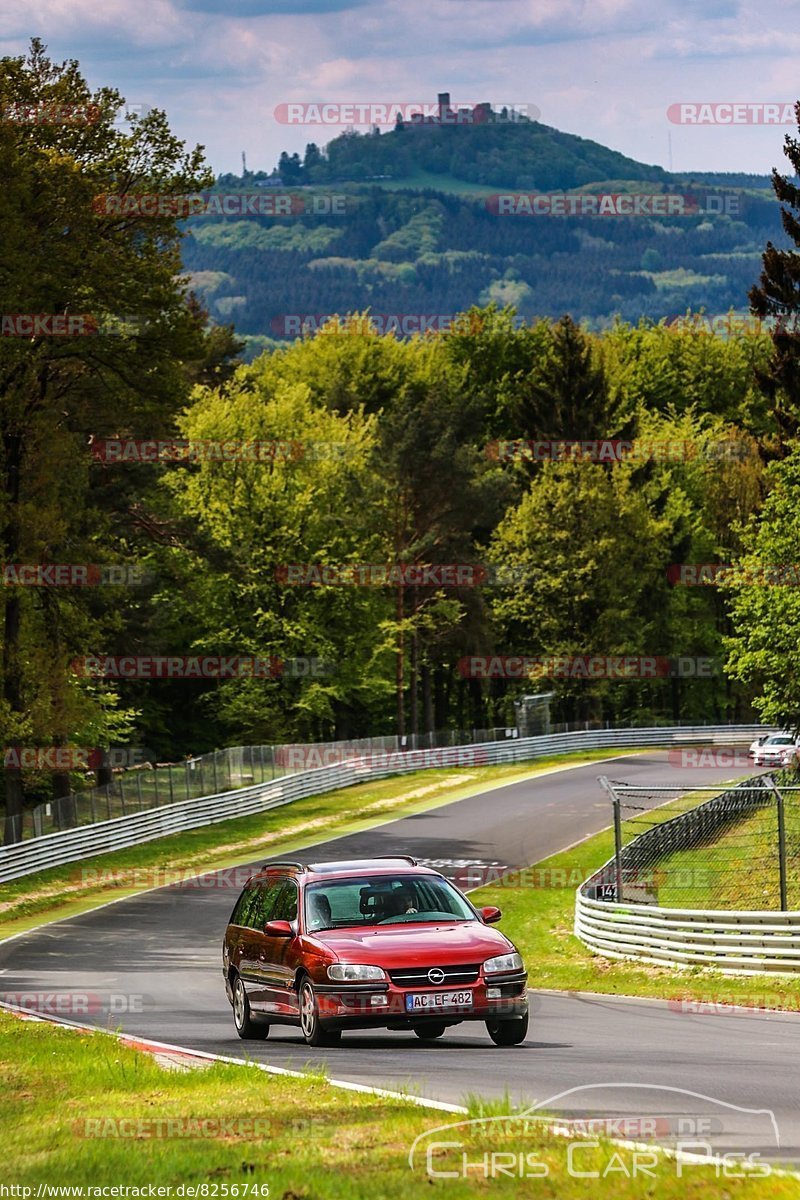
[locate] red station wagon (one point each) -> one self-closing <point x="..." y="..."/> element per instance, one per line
<point x="381" y="943"/>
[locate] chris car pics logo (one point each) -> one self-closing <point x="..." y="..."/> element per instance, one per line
<point x="616" y="1130"/>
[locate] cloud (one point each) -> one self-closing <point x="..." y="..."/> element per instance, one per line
<point x="730" y="45"/>
<point x="269" y="8"/>
<point x="605" y="70"/>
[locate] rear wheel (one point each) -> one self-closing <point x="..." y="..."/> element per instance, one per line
<point x="243" y="1019"/>
<point x="429" y="1031"/>
<point x="313" y="1029"/>
<point x="509" y="1032"/>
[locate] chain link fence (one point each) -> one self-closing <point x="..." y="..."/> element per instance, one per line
<point x="678" y="848"/>
<point x="152" y="785"/>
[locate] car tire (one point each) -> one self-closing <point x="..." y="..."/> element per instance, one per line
<point x="428" y="1032"/>
<point x="508" y="1032"/>
<point x="311" y="1026"/>
<point x="246" y="1024"/>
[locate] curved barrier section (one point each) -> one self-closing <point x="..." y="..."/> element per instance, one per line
<point x="735" y="943"/>
<point x="56" y="849"/>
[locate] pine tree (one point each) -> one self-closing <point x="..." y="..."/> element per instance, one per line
<point x="778" y="297"/>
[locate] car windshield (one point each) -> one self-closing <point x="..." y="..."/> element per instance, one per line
<point x="383" y="900"/>
<point x="780" y="741"/>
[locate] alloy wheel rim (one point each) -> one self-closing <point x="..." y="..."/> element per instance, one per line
<point x="307" y="1010"/>
<point x="238" y="1003"/>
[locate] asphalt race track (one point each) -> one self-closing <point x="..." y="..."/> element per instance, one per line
<point x="695" y="1074"/>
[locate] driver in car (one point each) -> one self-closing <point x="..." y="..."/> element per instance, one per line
<point x="403" y="902"/>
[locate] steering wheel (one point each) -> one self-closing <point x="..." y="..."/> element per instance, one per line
<point x="398" y="916"/>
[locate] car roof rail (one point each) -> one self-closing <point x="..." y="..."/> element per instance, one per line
<point x="405" y="858"/>
<point x="296" y="866"/>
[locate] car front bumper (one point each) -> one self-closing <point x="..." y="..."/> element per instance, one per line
<point x="353" y="1005"/>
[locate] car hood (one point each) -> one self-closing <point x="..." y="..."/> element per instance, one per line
<point x="410" y="944"/>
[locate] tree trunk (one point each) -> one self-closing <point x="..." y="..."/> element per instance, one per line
<point x="400" y="665"/>
<point x="65" y="803"/>
<point x="413" y="699"/>
<point x="440" y="699"/>
<point x="12" y="620"/>
<point x="427" y="699"/>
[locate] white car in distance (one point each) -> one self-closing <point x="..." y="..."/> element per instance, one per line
<point x="778" y="750"/>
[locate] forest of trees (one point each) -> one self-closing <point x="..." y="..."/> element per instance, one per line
<point x="376" y="452"/>
<point x="427" y="252"/>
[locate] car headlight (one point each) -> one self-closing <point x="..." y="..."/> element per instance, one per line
<point x="503" y="962"/>
<point x="354" y="972"/>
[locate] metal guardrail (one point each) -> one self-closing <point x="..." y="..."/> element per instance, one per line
<point x="58" y="849"/>
<point x="732" y="942"/>
<point x="150" y="785"/>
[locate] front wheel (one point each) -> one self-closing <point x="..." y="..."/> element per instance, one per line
<point x="312" y="1028"/>
<point x="509" y="1032"/>
<point x="429" y="1031"/>
<point x="246" y="1025"/>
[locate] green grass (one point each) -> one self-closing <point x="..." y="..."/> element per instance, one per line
<point x="721" y="875"/>
<point x="76" y="887"/>
<point x="84" y="1110"/>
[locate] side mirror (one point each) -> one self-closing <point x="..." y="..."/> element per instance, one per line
<point x="490" y="914"/>
<point x="278" y="929"/>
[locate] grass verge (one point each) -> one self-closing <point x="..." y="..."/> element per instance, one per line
<point x="721" y="875"/>
<point x="77" y="887"/>
<point x="82" y="1110"/>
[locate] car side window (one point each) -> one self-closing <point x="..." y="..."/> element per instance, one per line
<point x="261" y="912"/>
<point x="241" y="911"/>
<point x="285" y="908"/>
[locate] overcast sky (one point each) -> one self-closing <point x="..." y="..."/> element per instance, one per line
<point x="606" y="70"/>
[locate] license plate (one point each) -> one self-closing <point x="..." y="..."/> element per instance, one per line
<point x="425" y="1001"/>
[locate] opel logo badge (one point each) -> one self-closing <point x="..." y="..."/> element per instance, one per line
<point x="436" y="975"/>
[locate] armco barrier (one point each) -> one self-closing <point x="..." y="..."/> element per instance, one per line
<point x="733" y="942"/>
<point x="55" y="849"/>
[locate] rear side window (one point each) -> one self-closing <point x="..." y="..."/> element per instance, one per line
<point x="265" y="896"/>
<point x="285" y="907"/>
<point x="243" y="906"/>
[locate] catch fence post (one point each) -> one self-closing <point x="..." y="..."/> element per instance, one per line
<point x="615" y="803"/>
<point x="781" y="841"/>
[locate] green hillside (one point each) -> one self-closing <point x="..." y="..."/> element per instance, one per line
<point x="419" y="230"/>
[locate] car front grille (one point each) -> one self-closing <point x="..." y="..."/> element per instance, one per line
<point x="419" y="976"/>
